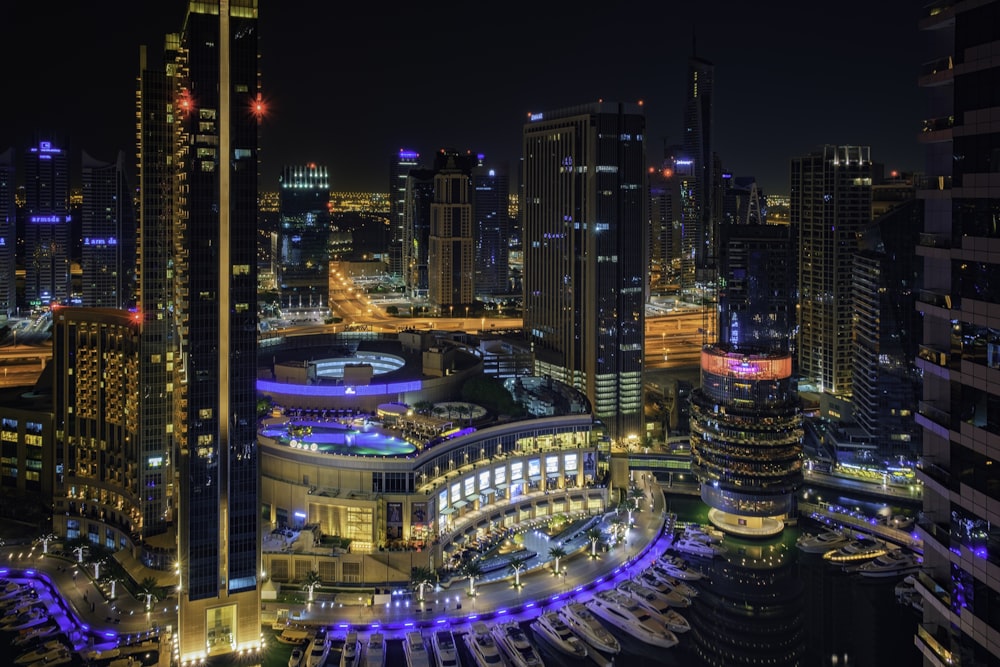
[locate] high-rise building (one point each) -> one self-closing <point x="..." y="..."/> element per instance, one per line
<point x="960" y="353"/>
<point x="746" y="422"/>
<point x="831" y="203"/>
<point x="584" y="208"/>
<point x="450" y="259"/>
<point x="399" y="168"/>
<point x="8" y="235"/>
<point x="698" y="176"/>
<point x="665" y="224"/>
<point x="215" y="117"/>
<point x="107" y="255"/>
<point x="47" y="225"/>
<point x="492" y="230"/>
<point x="302" y="265"/>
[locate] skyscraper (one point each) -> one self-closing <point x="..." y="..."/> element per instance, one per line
<point x="8" y="235"/>
<point x="491" y="230"/>
<point x="47" y="225"/>
<point x="746" y="422"/>
<point x="107" y="256"/>
<point x="698" y="176"/>
<point x="303" y="261"/>
<point x="218" y="482"/>
<point x="960" y="353"/>
<point x="831" y="203"/>
<point x="399" y="168"/>
<point x="584" y="211"/>
<point x="450" y="259"/>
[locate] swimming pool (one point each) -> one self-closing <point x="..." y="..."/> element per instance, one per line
<point x="359" y="438"/>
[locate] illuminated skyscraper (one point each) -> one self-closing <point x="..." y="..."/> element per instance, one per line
<point x="697" y="172"/>
<point x="585" y="217"/>
<point x="450" y="259"/>
<point x="399" y="168"/>
<point x="107" y="257"/>
<point x="8" y="235"/>
<point x="47" y="223"/>
<point x="215" y="118"/>
<point x="831" y="205"/>
<point x="303" y="261"/>
<point x="960" y="353"/>
<point x="746" y="423"/>
<point x="491" y="230"/>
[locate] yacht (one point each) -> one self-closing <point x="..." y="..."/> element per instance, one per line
<point x="587" y="627"/>
<point x="666" y="589"/>
<point x="296" y="657"/>
<point x="318" y="649"/>
<point x="350" y="655"/>
<point x="375" y="650"/>
<point x="856" y="551"/>
<point x="820" y="543"/>
<point x="41" y="631"/>
<point x="50" y="648"/>
<point x="676" y="584"/>
<point x="703" y="533"/>
<point x="482" y="647"/>
<point x="677" y="569"/>
<point x="694" y="547"/>
<point x="625" y="614"/>
<point x="550" y="627"/>
<point x="646" y="597"/>
<point x="514" y="643"/>
<point x="893" y="563"/>
<point x="445" y="651"/>
<point x="415" y="649"/>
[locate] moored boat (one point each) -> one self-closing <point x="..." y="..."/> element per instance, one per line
<point x="415" y="649"/>
<point x="350" y="654"/>
<point x="625" y="614"/>
<point x="580" y="620"/>
<point x="894" y="563"/>
<point x="375" y="650"/>
<point x="669" y="590"/>
<point x="445" y="650"/>
<point x="550" y="627"/>
<point x="516" y="645"/>
<point x="823" y="541"/>
<point x="856" y="551"/>
<point x="482" y="646"/>
<point x="319" y="649"/>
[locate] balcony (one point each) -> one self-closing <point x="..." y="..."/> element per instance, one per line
<point x="939" y="299"/>
<point x="935" y="414"/>
<point x="935" y="130"/>
<point x="931" y="240"/>
<point x="937" y="72"/>
<point x="934" y="356"/>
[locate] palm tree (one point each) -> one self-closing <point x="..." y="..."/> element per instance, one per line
<point x="557" y="553"/>
<point x="594" y="535"/>
<point x="311" y="581"/>
<point x="518" y="565"/>
<point x="149" y="587"/>
<point x="616" y="526"/>
<point x="421" y="577"/>
<point x="473" y="570"/>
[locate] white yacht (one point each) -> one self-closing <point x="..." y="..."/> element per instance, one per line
<point x="694" y="547"/>
<point x="704" y="533"/>
<point x="445" y="651"/>
<point x="350" y="655"/>
<point x="50" y="649"/>
<point x="625" y="614"/>
<point x="678" y="568"/>
<point x="586" y="626"/>
<point x="550" y="627"/>
<point x="823" y="541"/>
<point x="674" y="598"/>
<point x="515" y="644"/>
<point x="856" y="551"/>
<point x="296" y="657"/>
<point x="645" y="596"/>
<point x="415" y="649"/>
<point x="896" y="562"/>
<point x="375" y="650"/>
<point x="318" y="650"/>
<point x="484" y="650"/>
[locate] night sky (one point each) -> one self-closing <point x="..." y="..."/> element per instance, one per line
<point x="349" y="84"/>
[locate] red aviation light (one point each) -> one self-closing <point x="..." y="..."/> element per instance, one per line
<point x="258" y="107"/>
<point x="185" y="103"/>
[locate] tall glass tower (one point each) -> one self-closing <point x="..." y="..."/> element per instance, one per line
<point x="585" y="217"/>
<point x="218" y="481"/>
<point x="107" y="257"/>
<point x="303" y="261"/>
<point x="8" y="235"/>
<point x="746" y="422"/>
<point x="47" y="223"/>
<point x="960" y="353"/>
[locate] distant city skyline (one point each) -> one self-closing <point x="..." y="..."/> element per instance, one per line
<point x="349" y="85"/>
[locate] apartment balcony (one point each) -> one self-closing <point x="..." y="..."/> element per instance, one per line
<point x="936" y="130"/>
<point x="937" y="72"/>
<point x="933" y="355"/>
<point x="932" y="240"/>
<point x="939" y="15"/>
<point x="935" y="414"/>
<point x="932" y="641"/>
<point x="934" y="477"/>
<point x="940" y="299"/>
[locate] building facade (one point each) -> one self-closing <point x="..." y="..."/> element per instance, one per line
<point x="959" y="353"/>
<point x="491" y="231"/>
<point x="47" y="226"/>
<point x="218" y="483"/>
<point x="698" y="176"/>
<point x="107" y="255"/>
<point x="831" y="203"/>
<point x="302" y="264"/>
<point x="399" y="169"/>
<point x="8" y="234"/>
<point x="584" y="207"/>
<point x="450" y="258"/>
